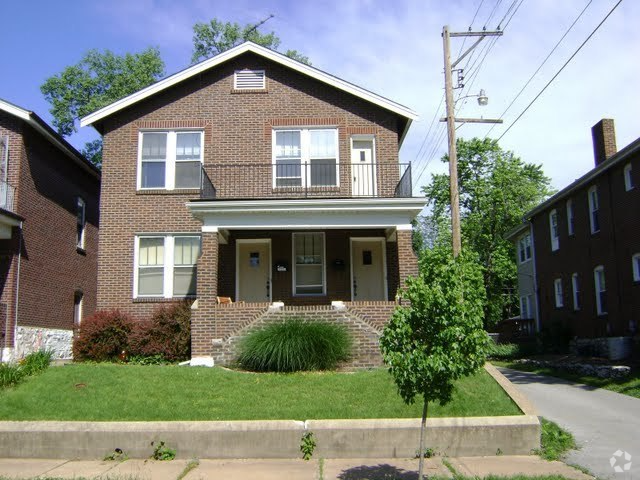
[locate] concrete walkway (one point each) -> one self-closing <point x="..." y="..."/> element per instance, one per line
<point x="335" y="469"/>
<point x="602" y="422"/>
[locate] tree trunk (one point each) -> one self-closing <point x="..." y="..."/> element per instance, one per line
<point x="423" y="426"/>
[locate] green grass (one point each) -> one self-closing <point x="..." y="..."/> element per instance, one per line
<point x="108" y="392"/>
<point x="555" y="441"/>
<point x="629" y="385"/>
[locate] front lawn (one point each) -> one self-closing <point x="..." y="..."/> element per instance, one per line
<point x="109" y="392"/>
<point x="629" y="385"/>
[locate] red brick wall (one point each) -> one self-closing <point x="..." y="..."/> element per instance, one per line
<point x="237" y="129"/>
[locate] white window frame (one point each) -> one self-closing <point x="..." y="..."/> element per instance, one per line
<point x="598" y="280"/>
<point x="575" y="290"/>
<point x="594" y="209"/>
<point x="170" y="160"/>
<point x="259" y="75"/>
<point x="635" y="265"/>
<point x="323" y="267"/>
<point x="168" y="266"/>
<point x="554" y="230"/>
<point x="524" y="248"/>
<point x="81" y="222"/>
<point x="305" y="156"/>
<point x="525" y="307"/>
<point x="558" y="293"/>
<point x="628" y="179"/>
<point x="570" y="218"/>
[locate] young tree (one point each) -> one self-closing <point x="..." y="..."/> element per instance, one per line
<point x="100" y="78"/>
<point x="438" y="338"/>
<point x="496" y="190"/>
<point x="215" y="37"/>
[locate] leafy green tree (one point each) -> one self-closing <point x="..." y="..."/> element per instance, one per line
<point x="92" y="151"/>
<point x="496" y="190"/>
<point x="438" y="338"/>
<point x="215" y="37"/>
<point x="100" y="78"/>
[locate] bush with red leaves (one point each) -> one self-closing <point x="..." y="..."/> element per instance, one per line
<point x="103" y="336"/>
<point x="166" y="334"/>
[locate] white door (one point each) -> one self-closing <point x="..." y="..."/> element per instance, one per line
<point x="368" y="274"/>
<point x="253" y="270"/>
<point x="363" y="168"/>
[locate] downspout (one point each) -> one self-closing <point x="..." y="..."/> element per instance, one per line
<point x="17" y="294"/>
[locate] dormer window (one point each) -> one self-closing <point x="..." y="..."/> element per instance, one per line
<point x="249" y="80"/>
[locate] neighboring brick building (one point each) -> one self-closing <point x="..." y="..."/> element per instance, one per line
<point x="273" y="180"/>
<point x="587" y="249"/>
<point x="49" y="200"/>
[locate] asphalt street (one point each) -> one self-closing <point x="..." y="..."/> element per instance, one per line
<point x="601" y="421"/>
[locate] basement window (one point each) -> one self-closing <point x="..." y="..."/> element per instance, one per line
<point x="249" y="80"/>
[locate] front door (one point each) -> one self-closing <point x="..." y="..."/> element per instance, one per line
<point x="253" y="267"/>
<point x="363" y="168"/>
<point x="368" y="275"/>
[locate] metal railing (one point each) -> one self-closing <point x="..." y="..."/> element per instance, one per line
<point x="321" y="179"/>
<point x="7" y="193"/>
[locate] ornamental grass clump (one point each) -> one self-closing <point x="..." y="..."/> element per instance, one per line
<point x="295" y="345"/>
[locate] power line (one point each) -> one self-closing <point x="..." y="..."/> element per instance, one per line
<point x="495" y="7"/>
<point x="541" y="65"/>
<point x="562" y="68"/>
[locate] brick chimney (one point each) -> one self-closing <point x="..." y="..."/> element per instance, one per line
<point x="604" y="140"/>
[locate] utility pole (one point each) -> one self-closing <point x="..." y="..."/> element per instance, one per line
<point x="451" y="123"/>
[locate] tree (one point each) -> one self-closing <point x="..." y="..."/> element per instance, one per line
<point x="92" y="151"/>
<point x="496" y="190"/>
<point x="439" y="337"/>
<point x="215" y="37"/>
<point x="100" y="78"/>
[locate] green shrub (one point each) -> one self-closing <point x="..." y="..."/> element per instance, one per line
<point x="103" y="336"/>
<point x="294" y="345"/>
<point x="36" y="362"/>
<point x="555" y="442"/>
<point x="10" y="374"/>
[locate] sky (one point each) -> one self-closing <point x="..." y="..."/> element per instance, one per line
<point x="393" y="48"/>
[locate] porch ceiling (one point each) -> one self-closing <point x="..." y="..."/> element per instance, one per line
<point x="307" y="214"/>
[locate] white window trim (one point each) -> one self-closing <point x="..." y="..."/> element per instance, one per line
<point x="575" y="290"/>
<point x="305" y="157"/>
<point x="521" y="249"/>
<point x="167" y="274"/>
<point x="246" y="70"/>
<point x="594" y="208"/>
<point x="558" y="293"/>
<point x="170" y="161"/>
<point x="80" y="203"/>
<point x="525" y="307"/>
<point x="323" y="268"/>
<point x="554" y="232"/>
<point x="628" y="180"/>
<point x="598" y="288"/>
<point x="635" y="265"/>
<point x="570" y="218"/>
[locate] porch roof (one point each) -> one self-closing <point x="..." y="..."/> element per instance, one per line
<point x="356" y="213"/>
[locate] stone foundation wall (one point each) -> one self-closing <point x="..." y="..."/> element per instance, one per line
<point x="613" y="348"/>
<point x="32" y="339"/>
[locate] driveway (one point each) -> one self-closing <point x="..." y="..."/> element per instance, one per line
<point x="602" y="422"/>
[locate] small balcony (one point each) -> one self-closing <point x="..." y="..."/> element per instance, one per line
<point x="7" y="193"/>
<point x="305" y="180"/>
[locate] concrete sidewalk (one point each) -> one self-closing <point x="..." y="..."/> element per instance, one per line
<point x="331" y="469"/>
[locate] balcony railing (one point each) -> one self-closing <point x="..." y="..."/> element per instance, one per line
<point x="6" y="196"/>
<point x="318" y="179"/>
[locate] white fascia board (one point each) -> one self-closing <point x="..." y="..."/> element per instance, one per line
<point x="234" y="52"/>
<point x="15" y="110"/>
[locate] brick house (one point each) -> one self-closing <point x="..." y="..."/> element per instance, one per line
<point x="255" y="179"/>
<point x="586" y="249"/>
<point x="49" y="200"/>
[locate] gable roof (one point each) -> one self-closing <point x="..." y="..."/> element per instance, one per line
<point x="277" y="57"/>
<point x="50" y="134"/>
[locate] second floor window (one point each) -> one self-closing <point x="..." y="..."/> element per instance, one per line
<point x="601" y="290"/>
<point x="80" y="222"/>
<point x="594" y="208"/>
<point x="524" y="249"/>
<point x="557" y="290"/>
<point x="554" y="231"/>
<point x="570" y="218"/>
<point x="628" y="177"/>
<point x="170" y="160"/>
<point x="305" y="157"/>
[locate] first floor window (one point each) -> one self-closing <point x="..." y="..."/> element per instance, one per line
<point x="306" y="157"/>
<point x="601" y="290"/>
<point x="166" y="265"/>
<point x="635" y="264"/>
<point x="80" y="222"/>
<point x="525" y="307"/>
<point x="308" y="256"/>
<point x="170" y="160"/>
<point x="557" y="287"/>
<point x="575" y="289"/>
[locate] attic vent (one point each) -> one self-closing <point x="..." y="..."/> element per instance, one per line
<point x="249" y="80"/>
